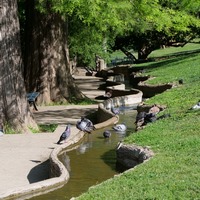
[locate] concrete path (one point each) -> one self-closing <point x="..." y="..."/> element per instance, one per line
<point x="24" y="157"/>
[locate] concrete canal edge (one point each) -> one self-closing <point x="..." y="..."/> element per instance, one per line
<point x="58" y="172"/>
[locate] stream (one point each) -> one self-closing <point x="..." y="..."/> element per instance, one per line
<point x="93" y="161"/>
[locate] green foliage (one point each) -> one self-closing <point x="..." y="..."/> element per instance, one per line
<point x="85" y="101"/>
<point x="93" y="25"/>
<point x="173" y="172"/>
<point x="8" y="129"/>
<point x="160" y="23"/>
<point x="50" y="128"/>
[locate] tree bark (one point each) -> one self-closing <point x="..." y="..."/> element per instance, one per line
<point x="143" y="52"/>
<point x="14" y="108"/>
<point x="47" y="66"/>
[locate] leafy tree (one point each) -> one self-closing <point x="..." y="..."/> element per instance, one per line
<point x="47" y="68"/>
<point x="93" y="26"/>
<point x="14" y="109"/>
<point x="161" y="23"/>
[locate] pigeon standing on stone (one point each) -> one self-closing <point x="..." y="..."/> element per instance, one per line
<point x="85" y="125"/>
<point x="65" y="134"/>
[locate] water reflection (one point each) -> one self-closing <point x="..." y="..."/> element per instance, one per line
<point x="65" y="160"/>
<point x="85" y="145"/>
<point x="92" y="162"/>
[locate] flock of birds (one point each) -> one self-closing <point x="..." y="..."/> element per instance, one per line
<point x="142" y="119"/>
<point x="86" y="125"/>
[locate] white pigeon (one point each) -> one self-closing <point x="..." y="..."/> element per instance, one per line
<point x="120" y="127"/>
<point x="196" y="107"/>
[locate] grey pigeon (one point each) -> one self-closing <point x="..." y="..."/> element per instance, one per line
<point x="107" y="134"/>
<point x="85" y="125"/>
<point x="65" y="134"/>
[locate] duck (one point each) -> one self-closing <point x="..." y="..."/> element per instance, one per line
<point x="65" y="134"/>
<point x="120" y="127"/>
<point x="107" y="134"/>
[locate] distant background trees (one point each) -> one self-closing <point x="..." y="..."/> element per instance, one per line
<point x="160" y="24"/>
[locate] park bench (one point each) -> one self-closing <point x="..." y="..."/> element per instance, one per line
<point x="32" y="97"/>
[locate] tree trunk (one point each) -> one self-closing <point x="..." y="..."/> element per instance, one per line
<point x="47" y="66"/>
<point x="14" y="108"/>
<point x="144" y="51"/>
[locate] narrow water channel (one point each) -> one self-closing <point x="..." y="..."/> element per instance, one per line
<point x="93" y="162"/>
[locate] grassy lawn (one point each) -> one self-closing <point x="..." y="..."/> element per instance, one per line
<point x="174" y="171"/>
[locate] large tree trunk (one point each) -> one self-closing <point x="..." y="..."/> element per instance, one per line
<point x="47" y="67"/>
<point x="14" y="108"/>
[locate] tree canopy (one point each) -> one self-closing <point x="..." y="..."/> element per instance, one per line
<point x="93" y="25"/>
<point x="159" y="23"/>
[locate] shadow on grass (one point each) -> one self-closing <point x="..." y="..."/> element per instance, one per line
<point x="171" y="58"/>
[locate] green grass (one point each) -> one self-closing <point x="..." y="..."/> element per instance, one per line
<point x="173" y="172"/>
<point x="74" y="101"/>
<point x="50" y="128"/>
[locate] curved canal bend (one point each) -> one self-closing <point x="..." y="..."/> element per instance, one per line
<point x="93" y="162"/>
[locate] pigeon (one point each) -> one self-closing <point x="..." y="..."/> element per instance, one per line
<point x="120" y="127"/>
<point x="196" y="107"/>
<point x="65" y="134"/>
<point x="85" y="125"/>
<point x="107" y="134"/>
<point x="115" y="111"/>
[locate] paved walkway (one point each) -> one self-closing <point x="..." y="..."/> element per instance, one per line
<point x="24" y="157"/>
